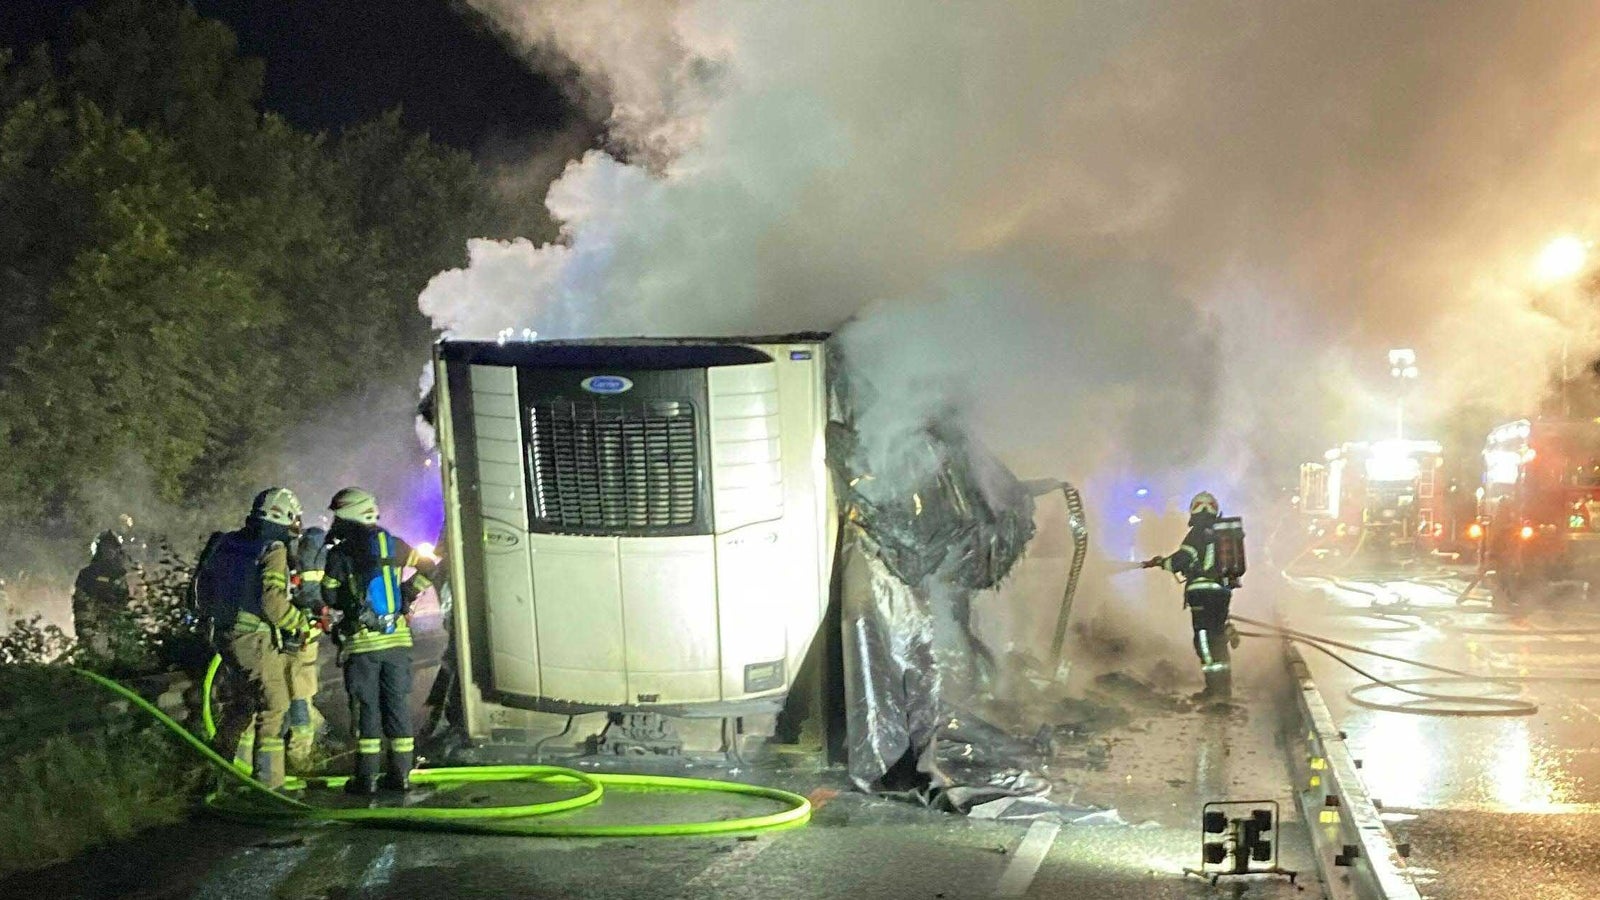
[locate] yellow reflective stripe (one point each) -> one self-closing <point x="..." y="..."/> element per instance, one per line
<point x="270" y="745"/>
<point x="369" y="641"/>
<point x="421" y="582"/>
<point x="294" y="620"/>
<point x="402" y="745"/>
<point x="330" y="581"/>
<point x="311" y="576"/>
<point x="248" y="623"/>
<point x="369" y="745"/>
<point x="391" y="585"/>
<point x="274" y="579"/>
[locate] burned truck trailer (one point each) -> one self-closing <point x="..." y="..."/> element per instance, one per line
<point x="638" y="525"/>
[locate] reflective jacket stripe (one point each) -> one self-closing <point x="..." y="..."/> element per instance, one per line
<point x="391" y="586"/>
<point x="366" y="641"/>
<point x="248" y="623"/>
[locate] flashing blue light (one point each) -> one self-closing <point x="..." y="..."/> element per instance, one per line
<point x="1142" y="492"/>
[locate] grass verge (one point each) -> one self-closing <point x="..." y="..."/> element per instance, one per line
<point x="77" y="770"/>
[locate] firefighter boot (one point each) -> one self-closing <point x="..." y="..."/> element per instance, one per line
<point x="302" y="747"/>
<point x="269" y="763"/>
<point x="1219" y="683"/>
<point x="244" y="753"/>
<point x="301" y="737"/>
<point x="398" y="777"/>
<point x="369" y="759"/>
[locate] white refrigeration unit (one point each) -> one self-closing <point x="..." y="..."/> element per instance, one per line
<point x="636" y="525"/>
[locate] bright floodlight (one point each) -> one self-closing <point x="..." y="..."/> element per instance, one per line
<point x="1403" y="363"/>
<point x="1561" y="259"/>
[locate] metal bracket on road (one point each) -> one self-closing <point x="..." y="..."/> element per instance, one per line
<point x="1356" y="853"/>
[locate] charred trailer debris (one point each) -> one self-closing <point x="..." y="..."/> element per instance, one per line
<point x="691" y="529"/>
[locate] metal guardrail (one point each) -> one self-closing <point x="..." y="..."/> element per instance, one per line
<point x="175" y="693"/>
<point x="1356" y="854"/>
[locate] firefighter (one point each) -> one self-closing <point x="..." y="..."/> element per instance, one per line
<point x="305" y="721"/>
<point x="242" y="587"/>
<point x="101" y="597"/>
<point x="362" y="581"/>
<point x="1206" y="594"/>
<point x="134" y="546"/>
<point x="444" y="698"/>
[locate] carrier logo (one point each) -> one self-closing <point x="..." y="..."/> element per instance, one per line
<point x="606" y="384"/>
<point x="498" y="538"/>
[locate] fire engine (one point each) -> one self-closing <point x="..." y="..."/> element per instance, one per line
<point x="1383" y="496"/>
<point x="1539" y="517"/>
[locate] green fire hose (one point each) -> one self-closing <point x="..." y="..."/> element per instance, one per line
<point x="258" y="803"/>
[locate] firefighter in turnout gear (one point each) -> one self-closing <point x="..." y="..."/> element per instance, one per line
<point x="362" y="581"/>
<point x="305" y="721"/>
<point x="101" y="597"/>
<point x="1206" y="593"/>
<point x="242" y="588"/>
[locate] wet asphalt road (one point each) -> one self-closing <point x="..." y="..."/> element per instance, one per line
<point x="1493" y="806"/>
<point x="1154" y="764"/>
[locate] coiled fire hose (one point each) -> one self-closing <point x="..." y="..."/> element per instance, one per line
<point x="257" y="802"/>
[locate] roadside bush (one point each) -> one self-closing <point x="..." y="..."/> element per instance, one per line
<point x="34" y="642"/>
<point x="169" y="629"/>
<point x="77" y="768"/>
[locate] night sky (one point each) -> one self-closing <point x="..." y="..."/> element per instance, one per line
<point x="335" y="62"/>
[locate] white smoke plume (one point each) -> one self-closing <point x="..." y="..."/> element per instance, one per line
<point x="648" y="69"/>
<point x="1112" y="212"/>
<point x="1157" y="243"/>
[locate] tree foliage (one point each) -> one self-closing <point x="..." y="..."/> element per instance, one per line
<point x="185" y="278"/>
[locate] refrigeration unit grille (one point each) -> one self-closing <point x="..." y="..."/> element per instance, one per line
<point x="613" y="466"/>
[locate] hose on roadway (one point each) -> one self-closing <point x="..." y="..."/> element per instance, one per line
<point x="1425" y="702"/>
<point x="258" y="803"/>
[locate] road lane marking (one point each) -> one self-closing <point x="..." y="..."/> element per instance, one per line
<point x="1019" y="873"/>
<point x="728" y="863"/>
<point x="380" y="871"/>
<point x="252" y="871"/>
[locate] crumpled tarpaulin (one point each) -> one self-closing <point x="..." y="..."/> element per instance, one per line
<point x="891" y="681"/>
<point x="950" y="522"/>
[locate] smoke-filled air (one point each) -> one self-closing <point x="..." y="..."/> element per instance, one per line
<point x="772" y="412"/>
<point x="1098" y="230"/>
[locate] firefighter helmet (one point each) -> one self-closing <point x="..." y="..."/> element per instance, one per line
<point x="1204" y="502"/>
<point x="355" y="505"/>
<point x="277" y="505"/>
<point x="107" y="541"/>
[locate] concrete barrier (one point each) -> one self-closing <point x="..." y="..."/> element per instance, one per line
<point x="1356" y="854"/>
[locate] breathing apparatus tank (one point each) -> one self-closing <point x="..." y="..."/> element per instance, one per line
<point x="1229" y="533"/>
